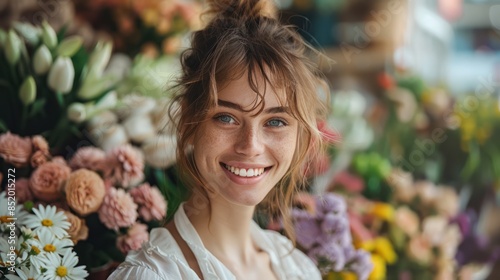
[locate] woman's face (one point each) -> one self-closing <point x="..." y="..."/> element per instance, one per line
<point x="241" y="156"/>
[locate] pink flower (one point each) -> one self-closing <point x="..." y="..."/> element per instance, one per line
<point x="15" y="150"/>
<point x="447" y="203"/>
<point x="47" y="180"/>
<point x="351" y="183"/>
<point x="136" y="235"/>
<point x="89" y="158"/>
<point x="23" y="192"/>
<point x="118" y="209"/>
<point x="125" y="165"/>
<point x="329" y="135"/>
<point x="152" y="204"/>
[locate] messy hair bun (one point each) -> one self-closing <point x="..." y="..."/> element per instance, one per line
<point x="241" y="9"/>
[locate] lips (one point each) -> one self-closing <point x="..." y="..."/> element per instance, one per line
<point x="244" y="172"/>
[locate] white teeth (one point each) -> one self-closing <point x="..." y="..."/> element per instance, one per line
<point x="251" y="172"/>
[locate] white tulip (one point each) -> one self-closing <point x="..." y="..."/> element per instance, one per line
<point x="12" y="48"/>
<point x="161" y="119"/>
<point x="42" y="60"/>
<point x="139" y="128"/>
<point x="30" y="32"/>
<point x="100" y="122"/>
<point x="27" y="91"/>
<point x="77" y="112"/>
<point x="69" y="46"/>
<point x="160" y="151"/>
<point x="99" y="58"/>
<point x="61" y="75"/>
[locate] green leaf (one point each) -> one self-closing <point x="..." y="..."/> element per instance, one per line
<point x="3" y="127"/>
<point x="472" y="161"/>
<point x="37" y="107"/>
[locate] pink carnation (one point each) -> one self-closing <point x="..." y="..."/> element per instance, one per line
<point x="125" y="165"/>
<point x="152" y="204"/>
<point x="136" y="235"/>
<point x="118" y="209"/>
<point x="89" y="158"/>
<point x="40" y="144"/>
<point x="47" y="181"/>
<point x="15" y="150"/>
<point x="23" y="192"/>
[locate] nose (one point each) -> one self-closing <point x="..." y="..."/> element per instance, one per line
<point x="249" y="142"/>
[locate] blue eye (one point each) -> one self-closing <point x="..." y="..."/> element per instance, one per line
<point x="276" y="122"/>
<point x="225" y="119"/>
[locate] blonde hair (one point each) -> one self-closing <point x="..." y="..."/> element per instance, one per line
<point x="246" y="37"/>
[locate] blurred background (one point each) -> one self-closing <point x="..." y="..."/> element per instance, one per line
<point x="414" y="126"/>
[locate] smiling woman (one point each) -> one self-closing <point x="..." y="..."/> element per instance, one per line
<point x="247" y="110"/>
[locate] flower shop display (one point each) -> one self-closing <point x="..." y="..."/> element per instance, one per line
<point x="35" y="241"/>
<point x="48" y="81"/>
<point x="108" y="205"/>
<point x="151" y="27"/>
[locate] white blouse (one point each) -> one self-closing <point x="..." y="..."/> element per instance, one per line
<point x="161" y="258"/>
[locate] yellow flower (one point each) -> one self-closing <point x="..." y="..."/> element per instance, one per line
<point x="150" y="17"/>
<point x="367" y="245"/>
<point x="347" y="275"/>
<point x="383" y="247"/>
<point x="379" y="269"/>
<point x="383" y="211"/>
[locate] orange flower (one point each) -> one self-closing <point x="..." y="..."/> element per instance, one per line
<point x="85" y="191"/>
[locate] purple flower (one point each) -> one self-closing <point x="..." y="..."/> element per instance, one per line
<point x="307" y="232"/>
<point x="331" y="203"/>
<point x="334" y="223"/>
<point x="360" y="263"/>
<point x="328" y="256"/>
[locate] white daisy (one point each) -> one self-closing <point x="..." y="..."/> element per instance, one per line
<point x="5" y="252"/>
<point x="63" y="268"/>
<point x="49" y="218"/>
<point x="51" y="244"/>
<point x="25" y="273"/>
<point x="8" y="217"/>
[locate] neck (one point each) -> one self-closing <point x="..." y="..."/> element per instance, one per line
<point x="224" y="229"/>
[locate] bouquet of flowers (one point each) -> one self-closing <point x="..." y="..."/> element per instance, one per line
<point x="108" y="205"/>
<point x="50" y="82"/>
<point x="35" y="242"/>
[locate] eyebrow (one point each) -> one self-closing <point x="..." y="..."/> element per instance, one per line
<point x="272" y="110"/>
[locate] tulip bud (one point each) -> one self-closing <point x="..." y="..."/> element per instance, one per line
<point x="49" y="36"/>
<point x="69" y="46"/>
<point x="77" y="112"/>
<point x="42" y="60"/>
<point x="12" y="47"/>
<point x="27" y="91"/>
<point x="100" y="58"/>
<point x="61" y="75"/>
<point x="91" y="88"/>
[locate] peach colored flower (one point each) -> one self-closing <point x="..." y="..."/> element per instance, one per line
<point x="420" y="249"/>
<point x="406" y="220"/>
<point x="23" y="192"/>
<point x="84" y="191"/>
<point x="47" y="181"/>
<point x="152" y="204"/>
<point x="89" y="158"/>
<point x="118" y="209"/>
<point x="136" y="235"/>
<point x="433" y="228"/>
<point x="78" y="229"/>
<point x="15" y="150"/>
<point x="38" y="158"/>
<point x="447" y="204"/>
<point x="125" y="166"/>
<point x="40" y="144"/>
